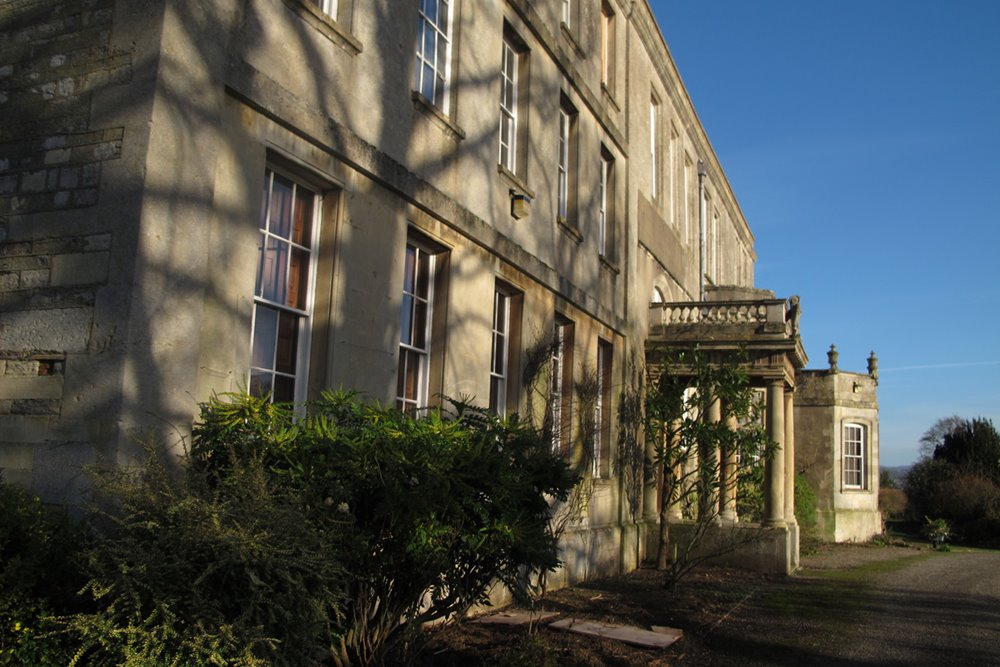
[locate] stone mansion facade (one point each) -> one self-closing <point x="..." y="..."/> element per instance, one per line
<point x="405" y="198"/>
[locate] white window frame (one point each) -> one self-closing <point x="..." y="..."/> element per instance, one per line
<point x="687" y="185"/>
<point x="302" y="314"/>
<point x="562" y="176"/>
<point x="713" y="248"/>
<point x="409" y="349"/>
<point x="854" y="460"/>
<point x="602" y="205"/>
<point x="607" y="46"/>
<point x="328" y="7"/>
<point x="433" y="51"/>
<point x="557" y="381"/>
<point x="509" y="94"/>
<point x="567" y="13"/>
<point x="603" y="348"/>
<point x="499" y="371"/>
<point x="654" y="147"/>
<point x="558" y="352"/>
<point x="672" y="179"/>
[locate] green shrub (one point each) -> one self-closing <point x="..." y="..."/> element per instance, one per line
<point x="750" y="493"/>
<point x="805" y="505"/>
<point x="921" y="483"/>
<point x="432" y="511"/>
<point x="39" y="574"/>
<point x="192" y="569"/>
<point x="938" y="532"/>
<point x="965" y="497"/>
<point x="892" y="502"/>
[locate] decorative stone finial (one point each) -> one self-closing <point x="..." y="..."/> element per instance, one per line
<point x="832" y="357"/>
<point x="873" y="367"/>
<point x="794" y="314"/>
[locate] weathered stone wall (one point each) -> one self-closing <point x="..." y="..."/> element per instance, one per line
<point x="55" y="55"/>
<point x="824" y="402"/>
<point x="54" y="248"/>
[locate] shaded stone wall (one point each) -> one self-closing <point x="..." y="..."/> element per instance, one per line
<point x="54" y="250"/>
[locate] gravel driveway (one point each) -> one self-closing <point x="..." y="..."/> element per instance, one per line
<point x="855" y="606"/>
<point x="943" y="610"/>
<point x="850" y="606"/>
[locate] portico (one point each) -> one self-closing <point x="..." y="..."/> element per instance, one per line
<point x="751" y="328"/>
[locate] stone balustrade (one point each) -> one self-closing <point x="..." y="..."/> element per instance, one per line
<point x="771" y="314"/>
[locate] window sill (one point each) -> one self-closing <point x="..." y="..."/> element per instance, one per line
<point x="326" y="25"/>
<point x="571" y="38"/>
<point x="432" y="112"/>
<point x="514" y="181"/>
<point x="609" y="97"/>
<point x="609" y="265"/>
<point x="569" y="229"/>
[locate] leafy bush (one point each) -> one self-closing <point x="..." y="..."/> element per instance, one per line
<point x="188" y="568"/>
<point x="432" y="511"/>
<point x="965" y="497"/>
<point x="283" y="539"/>
<point x="805" y="505"/>
<point x="961" y="483"/>
<point x="892" y="502"/>
<point x="39" y="575"/>
<point x="921" y="482"/>
<point x="938" y="532"/>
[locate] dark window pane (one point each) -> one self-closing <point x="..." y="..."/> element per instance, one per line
<point x="288" y="338"/>
<point x="284" y="389"/>
<point x="267" y="198"/>
<point x="427" y="84"/>
<point x="412" y="375"/>
<point x="298" y="279"/>
<point x="302" y="228"/>
<point x="260" y="383"/>
<point x="406" y="320"/>
<point x="498" y="354"/>
<point x="281" y="207"/>
<point x="273" y="270"/>
<point x="401" y="375"/>
<point x="420" y="325"/>
<point x="265" y="331"/>
<point x="409" y="271"/>
<point x="423" y="275"/>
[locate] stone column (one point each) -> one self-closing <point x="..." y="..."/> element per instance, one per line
<point x="674" y="512"/>
<point x="651" y="485"/>
<point x="774" y="471"/>
<point x="711" y="468"/>
<point x="790" y="458"/>
<point x="727" y="480"/>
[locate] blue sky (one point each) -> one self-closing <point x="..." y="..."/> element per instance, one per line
<point x="862" y="140"/>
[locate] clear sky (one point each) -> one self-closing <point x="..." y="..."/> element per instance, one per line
<point x="862" y="140"/>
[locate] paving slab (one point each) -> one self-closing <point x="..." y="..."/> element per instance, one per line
<point x="661" y="638"/>
<point x="518" y="618"/>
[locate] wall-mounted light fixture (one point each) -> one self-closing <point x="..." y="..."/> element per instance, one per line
<point x="520" y="205"/>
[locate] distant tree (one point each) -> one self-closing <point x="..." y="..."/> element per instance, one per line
<point x="921" y="484"/>
<point x="886" y="480"/>
<point x="960" y="480"/>
<point x="934" y="436"/>
<point x="974" y="447"/>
